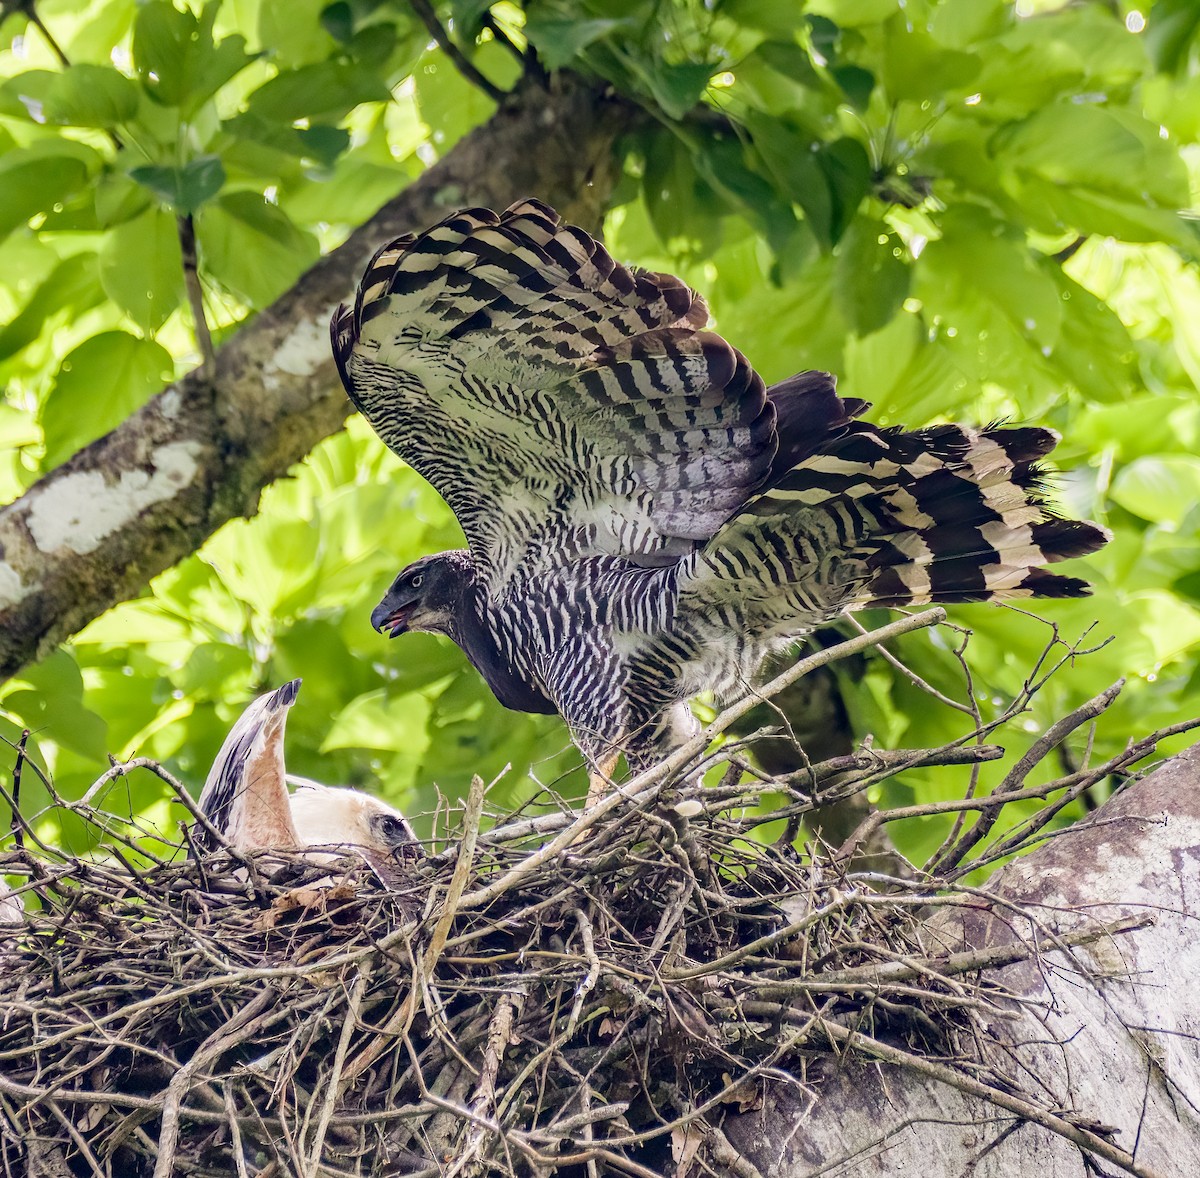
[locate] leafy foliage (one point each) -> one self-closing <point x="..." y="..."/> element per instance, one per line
<point x="966" y="209"/>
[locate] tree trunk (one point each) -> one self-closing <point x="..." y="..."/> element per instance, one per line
<point x="96" y="529"/>
<point x="1107" y="1034"/>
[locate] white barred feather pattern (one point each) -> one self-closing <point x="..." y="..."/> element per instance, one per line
<point x="645" y="520"/>
<point x="559" y="401"/>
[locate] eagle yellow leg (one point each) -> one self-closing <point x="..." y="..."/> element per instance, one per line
<point x="600" y="778"/>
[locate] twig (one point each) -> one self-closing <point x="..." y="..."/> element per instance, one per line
<point x="425" y="11"/>
<point x="333" y="1082"/>
<point x="991" y="957"/>
<point x="1015" y="777"/>
<point x="972" y="1087"/>
<point x="239" y="1028"/>
<point x="235" y="1134"/>
<point x="186" y="225"/>
<point x="458" y="881"/>
<point x="16" y="819"/>
<point x="30" y="10"/>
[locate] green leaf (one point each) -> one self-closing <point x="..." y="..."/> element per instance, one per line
<point x="1115" y="152"/>
<point x="1173" y="26"/>
<point x="448" y="102"/>
<point x="269" y="566"/>
<point x="791" y="159"/>
<point x="558" y="40"/>
<point x="176" y="57"/>
<point x="98" y="385"/>
<point x="851" y="13"/>
<point x="468" y="16"/>
<point x="780" y="20"/>
<point x="372" y="46"/>
<point x="338" y="21"/>
<point x="295" y="32"/>
<point x="381" y="720"/>
<point x="24" y="96"/>
<point x="677" y="88"/>
<point x="73" y="285"/>
<point x="856" y="83"/>
<point x="683" y="209"/>
<point x="979" y="274"/>
<point x="1164" y="488"/>
<point x="185" y="188"/>
<point x="91" y="96"/>
<point x="871" y="276"/>
<point x="1094" y="348"/>
<point x="916" y="67"/>
<point x="323" y="93"/>
<point x="33" y="181"/>
<point x="251" y="247"/>
<point x="323" y="144"/>
<point x="721" y="163"/>
<point x="847" y="169"/>
<point x="1152" y="423"/>
<point x="142" y="268"/>
<point x="118" y="199"/>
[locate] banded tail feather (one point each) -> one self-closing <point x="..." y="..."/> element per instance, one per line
<point x="868" y="517"/>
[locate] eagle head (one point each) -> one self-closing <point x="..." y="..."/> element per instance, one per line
<point x="428" y="595"/>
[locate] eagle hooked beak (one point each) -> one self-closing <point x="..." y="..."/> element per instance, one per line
<point x="391" y="620"/>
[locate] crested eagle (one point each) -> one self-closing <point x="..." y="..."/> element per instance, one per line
<point x="645" y="519"/>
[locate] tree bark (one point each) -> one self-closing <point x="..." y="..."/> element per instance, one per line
<point x="95" y="530"/>
<point x="1106" y="1035"/>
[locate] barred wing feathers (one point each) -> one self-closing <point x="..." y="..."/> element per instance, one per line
<point x="889" y="518"/>
<point x="562" y="404"/>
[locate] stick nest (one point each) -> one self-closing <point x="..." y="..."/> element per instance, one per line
<point x="563" y="994"/>
<point x="622" y="991"/>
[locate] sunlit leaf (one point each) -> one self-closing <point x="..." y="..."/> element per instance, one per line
<point x="380" y="720"/>
<point x="252" y="247"/>
<point x="98" y="385"/>
<point x="142" y="268"/>
<point x="91" y="96"/>
<point x="915" y="66"/>
<point x="177" y="58"/>
<point x="1164" y="489"/>
<point x="74" y="285"/>
<point x="48" y="698"/>
<point x="451" y="104"/>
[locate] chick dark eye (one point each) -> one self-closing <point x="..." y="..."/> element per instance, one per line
<point x="393" y="828"/>
<point x="416" y="581"/>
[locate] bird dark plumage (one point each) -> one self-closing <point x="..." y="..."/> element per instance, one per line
<point x="645" y="519"/>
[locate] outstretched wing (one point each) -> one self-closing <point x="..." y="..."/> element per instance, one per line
<point x="876" y="517"/>
<point x="562" y="404"/>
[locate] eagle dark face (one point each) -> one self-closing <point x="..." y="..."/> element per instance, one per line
<point x="429" y="595"/>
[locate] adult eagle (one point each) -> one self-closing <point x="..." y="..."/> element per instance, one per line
<point x="645" y="519"/>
